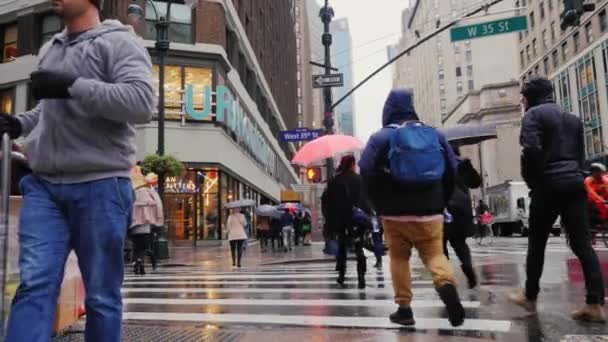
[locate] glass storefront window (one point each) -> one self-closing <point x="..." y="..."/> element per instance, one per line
<point x="7" y="99"/>
<point x="176" y="78"/>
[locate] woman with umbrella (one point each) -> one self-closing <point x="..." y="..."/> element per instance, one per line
<point x="236" y="235"/>
<point x="346" y="203"/>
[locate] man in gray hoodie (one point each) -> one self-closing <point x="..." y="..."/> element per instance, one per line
<point x="94" y="81"/>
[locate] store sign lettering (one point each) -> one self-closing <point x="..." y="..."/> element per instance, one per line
<point x="230" y="111"/>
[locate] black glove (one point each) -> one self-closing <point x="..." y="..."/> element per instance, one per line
<point x="47" y="84"/>
<point x="11" y="125"/>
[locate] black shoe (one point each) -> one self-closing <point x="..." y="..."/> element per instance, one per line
<point x="469" y="272"/>
<point x="361" y="284"/>
<point x="403" y="316"/>
<point x="378" y="264"/>
<point x="340" y="280"/>
<point x="449" y="296"/>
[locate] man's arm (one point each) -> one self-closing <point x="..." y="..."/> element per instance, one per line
<point x="531" y="140"/>
<point x="29" y="120"/>
<point x="128" y="96"/>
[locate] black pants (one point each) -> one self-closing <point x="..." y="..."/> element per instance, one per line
<point x="458" y="241"/>
<point x="236" y="251"/>
<point x="342" y="257"/>
<point x="264" y="236"/>
<point x="569" y="202"/>
<point x="142" y="245"/>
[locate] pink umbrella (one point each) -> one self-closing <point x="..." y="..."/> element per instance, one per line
<point x="325" y="147"/>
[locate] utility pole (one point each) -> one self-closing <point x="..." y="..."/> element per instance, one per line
<point x="327" y="14"/>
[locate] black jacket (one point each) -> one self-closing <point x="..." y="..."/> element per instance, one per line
<point x="343" y="193"/>
<point x="460" y="205"/>
<point x="553" y="146"/>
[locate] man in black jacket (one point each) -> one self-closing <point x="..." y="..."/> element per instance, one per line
<point x="552" y="161"/>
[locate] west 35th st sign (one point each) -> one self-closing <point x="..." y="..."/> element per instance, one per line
<point x="490" y="28"/>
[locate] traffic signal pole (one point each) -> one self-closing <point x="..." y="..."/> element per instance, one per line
<point x="327" y="14"/>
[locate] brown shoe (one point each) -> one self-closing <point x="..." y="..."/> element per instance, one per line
<point x="519" y="298"/>
<point x="590" y="313"/>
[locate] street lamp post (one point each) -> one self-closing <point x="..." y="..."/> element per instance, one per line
<point x="162" y="47"/>
<point x="327" y="14"/>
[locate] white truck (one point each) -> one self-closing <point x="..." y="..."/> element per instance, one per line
<point x="510" y="205"/>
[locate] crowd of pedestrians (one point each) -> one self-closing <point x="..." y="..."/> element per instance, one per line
<point x="413" y="188"/>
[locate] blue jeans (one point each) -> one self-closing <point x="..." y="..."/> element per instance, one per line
<point x="91" y="218"/>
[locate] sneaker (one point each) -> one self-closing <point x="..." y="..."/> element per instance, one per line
<point x="378" y="264"/>
<point x="590" y="313"/>
<point x="519" y="298"/>
<point x="403" y="316"/>
<point x="449" y="296"/>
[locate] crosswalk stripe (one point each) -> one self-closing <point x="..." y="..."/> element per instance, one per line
<point x="245" y="276"/>
<point x="501" y="326"/>
<point x="289" y="302"/>
<point x="259" y="283"/>
<point x="189" y="290"/>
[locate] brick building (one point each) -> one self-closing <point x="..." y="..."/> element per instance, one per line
<point x="246" y="47"/>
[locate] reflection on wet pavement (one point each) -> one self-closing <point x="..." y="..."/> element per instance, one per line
<point x="302" y="302"/>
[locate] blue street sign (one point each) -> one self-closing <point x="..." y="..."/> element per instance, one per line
<point x="301" y="134"/>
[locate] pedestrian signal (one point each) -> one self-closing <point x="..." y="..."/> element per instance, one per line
<point x="313" y="174"/>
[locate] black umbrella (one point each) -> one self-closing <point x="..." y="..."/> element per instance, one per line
<point x="470" y="134"/>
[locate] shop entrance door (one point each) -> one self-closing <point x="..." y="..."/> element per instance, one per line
<point x="180" y="218"/>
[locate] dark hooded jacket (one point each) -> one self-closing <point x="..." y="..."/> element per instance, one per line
<point x="388" y="196"/>
<point x="343" y="192"/>
<point x="552" y="140"/>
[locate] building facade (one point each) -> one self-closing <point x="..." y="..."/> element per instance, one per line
<point x="576" y="60"/>
<point x="444" y="71"/>
<point x="498" y="160"/>
<point x="230" y="87"/>
<point x="342" y="58"/>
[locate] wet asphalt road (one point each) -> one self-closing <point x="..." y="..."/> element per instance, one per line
<point x="204" y="299"/>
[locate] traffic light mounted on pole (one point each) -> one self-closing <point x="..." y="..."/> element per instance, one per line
<point x="573" y="11"/>
<point x="314" y="175"/>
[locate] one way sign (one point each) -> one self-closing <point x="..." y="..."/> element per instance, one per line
<point x="333" y="80"/>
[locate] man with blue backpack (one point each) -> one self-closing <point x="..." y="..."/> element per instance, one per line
<point x="408" y="169"/>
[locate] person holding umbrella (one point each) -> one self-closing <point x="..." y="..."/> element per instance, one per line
<point x="345" y="198"/>
<point x="236" y="235"/>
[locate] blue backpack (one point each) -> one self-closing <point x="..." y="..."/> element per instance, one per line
<point x="416" y="155"/>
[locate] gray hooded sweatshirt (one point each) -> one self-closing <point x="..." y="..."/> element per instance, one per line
<point x="91" y="135"/>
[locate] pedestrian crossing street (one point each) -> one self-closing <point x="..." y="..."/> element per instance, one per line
<point x="302" y="295"/>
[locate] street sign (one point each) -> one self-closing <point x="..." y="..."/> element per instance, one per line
<point x="301" y="134"/>
<point x="489" y="28"/>
<point x="333" y="80"/>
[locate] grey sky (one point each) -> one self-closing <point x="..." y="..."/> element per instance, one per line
<point x="370" y="20"/>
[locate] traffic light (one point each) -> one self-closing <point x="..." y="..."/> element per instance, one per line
<point x="573" y="10"/>
<point x="313" y="174"/>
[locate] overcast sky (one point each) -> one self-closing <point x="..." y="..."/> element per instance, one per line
<point x="370" y="21"/>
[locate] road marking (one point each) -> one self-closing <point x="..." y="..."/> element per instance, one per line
<point x="291" y="302"/>
<point x="386" y="291"/>
<point x="247" y="276"/>
<point x="258" y="283"/>
<point x="321" y="321"/>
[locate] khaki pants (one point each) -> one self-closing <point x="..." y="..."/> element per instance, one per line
<point x="427" y="238"/>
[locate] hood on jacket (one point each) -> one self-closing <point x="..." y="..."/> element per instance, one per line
<point x="537" y="90"/>
<point x="106" y="26"/>
<point x="399" y="107"/>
